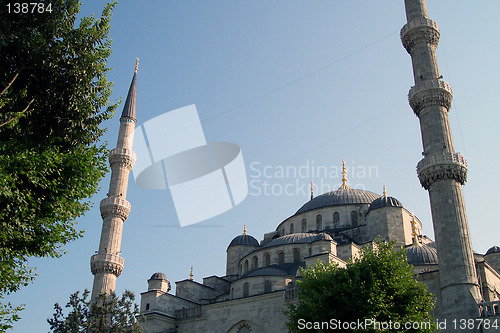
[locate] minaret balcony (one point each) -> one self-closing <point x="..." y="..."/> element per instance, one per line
<point x="105" y="262"/>
<point x="123" y="157"/>
<point x="421" y="30"/>
<point x="115" y="206"/>
<point x="439" y="166"/>
<point x="429" y="93"/>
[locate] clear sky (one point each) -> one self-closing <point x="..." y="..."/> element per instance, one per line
<point x="294" y="84"/>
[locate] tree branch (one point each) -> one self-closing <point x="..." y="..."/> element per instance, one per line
<point x="12" y="81"/>
<point x="18" y="115"/>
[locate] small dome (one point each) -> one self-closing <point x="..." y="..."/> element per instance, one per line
<point x="385" y="201"/>
<point x="419" y="255"/>
<point x="244" y="240"/>
<point x="299" y="238"/>
<point x="158" y="276"/>
<point x="494" y="249"/>
<point x="342" y="196"/>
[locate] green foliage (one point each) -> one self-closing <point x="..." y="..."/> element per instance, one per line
<point x="378" y="286"/>
<point x="106" y="313"/>
<point x="53" y="96"/>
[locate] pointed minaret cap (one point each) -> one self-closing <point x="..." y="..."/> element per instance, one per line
<point x="344" y="177"/>
<point x="130" y="102"/>
<point x="191" y="274"/>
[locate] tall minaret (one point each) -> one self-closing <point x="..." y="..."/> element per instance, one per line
<point x="107" y="264"/>
<point x="442" y="171"/>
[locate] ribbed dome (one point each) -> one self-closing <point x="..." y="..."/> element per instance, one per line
<point x="299" y="238"/>
<point x="419" y="255"/>
<point x="343" y="196"/>
<point x="385" y="201"/>
<point x="158" y="276"/>
<point x="244" y="240"/>
<point x="494" y="249"/>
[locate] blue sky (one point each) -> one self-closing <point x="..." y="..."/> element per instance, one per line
<point x="294" y="84"/>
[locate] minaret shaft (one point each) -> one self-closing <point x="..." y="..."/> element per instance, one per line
<point x="442" y="171"/>
<point x="107" y="264"/>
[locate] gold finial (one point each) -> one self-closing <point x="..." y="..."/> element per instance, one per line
<point x="344" y="177"/>
<point x="312" y="189"/>
<point x="245" y="229"/>
<point x="191" y="274"/>
<point x="136" y="64"/>
<point x="385" y="192"/>
<point x="414" y="230"/>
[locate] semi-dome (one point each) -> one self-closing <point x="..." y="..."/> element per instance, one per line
<point x="419" y="255"/>
<point x="385" y="201"/>
<point x="494" y="249"/>
<point x="244" y="240"/>
<point x="342" y="196"/>
<point x="158" y="276"/>
<point x="299" y="238"/>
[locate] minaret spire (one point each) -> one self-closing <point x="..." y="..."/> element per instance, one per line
<point x="107" y="264"/>
<point x="344" y="177"/>
<point x="312" y="189"/>
<point x="442" y="171"/>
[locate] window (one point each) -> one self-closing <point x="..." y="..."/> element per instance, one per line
<point x="245" y="289"/>
<point x="354" y="218"/>
<point x="336" y="220"/>
<point x="291" y="228"/>
<point x="255" y="262"/>
<point x="246" y="266"/>
<point x="304" y="225"/>
<point x="267" y="259"/>
<point x="147" y="306"/>
<point x="296" y="255"/>
<point x="281" y="257"/>
<point x="267" y="286"/>
<point x="319" y="222"/>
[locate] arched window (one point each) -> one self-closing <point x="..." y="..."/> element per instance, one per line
<point x="291" y="228"/>
<point x="255" y="262"/>
<point x="267" y="259"/>
<point x="354" y="218"/>
<point x="304" y="225"/>
<point x="281" y="257"/>
<point x="267" y="286"/>
<point x="246" y="267"/>
<point x="296" y="255"/>
<point x="245" y="289"/>
<point x="336" y="220"/>
<point x="319" y="222"/>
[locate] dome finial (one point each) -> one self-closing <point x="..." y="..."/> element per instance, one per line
<point x="414" y="230"/>
<point x="312" y="189"/>
<point x="136" y="64"/>
<point x="191" y="274"/>
<point x="344" y="177"/>
<point x="244" y="229"/>
<point x="385" y="192"/>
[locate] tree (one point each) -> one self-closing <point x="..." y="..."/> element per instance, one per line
<point x="105" y="314"/>
<point x="53" y="97"/>
<point x="379" y="287"/>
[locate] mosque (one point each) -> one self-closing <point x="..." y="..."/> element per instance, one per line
<point x="261" y="277"/>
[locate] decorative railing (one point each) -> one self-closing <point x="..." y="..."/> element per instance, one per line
<point x="441" y="158"/>
<point x="186" y="313"/>
<point x="429" y="84"/>
<point x="489" y="309"/>
<point x="112" y="258"/>
<point x="419" y="22"/>
<point x="116" y="201"/>
<point x="123" y="151"/>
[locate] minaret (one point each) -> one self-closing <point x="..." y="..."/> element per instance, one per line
<point x="442" y="171"/>
<point x="107" y="264"/>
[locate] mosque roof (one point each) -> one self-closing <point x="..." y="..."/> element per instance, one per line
<point x="244" y="240"/>
<point x="287" y="269"/>
<point x="419" y="255"/>
<point x="158" y="276"/>
<point x="493" y="249"/>
<point x="385" y="201"/>
<point x="298" y="238"/>
<point x="342" y="196"/>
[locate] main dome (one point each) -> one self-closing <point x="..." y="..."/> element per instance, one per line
<point x="342" y="196"/>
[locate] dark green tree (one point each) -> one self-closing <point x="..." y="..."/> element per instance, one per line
<point x="378" y="287"/>
<point x="106" y="313"/>
<point x="53" y="97"/>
